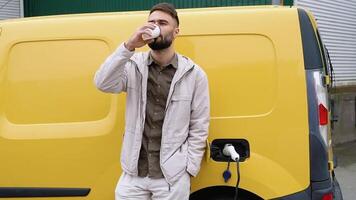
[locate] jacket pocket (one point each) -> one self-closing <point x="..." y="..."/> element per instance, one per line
<point x="179" y="117"/>
<point x="176" y="163"/>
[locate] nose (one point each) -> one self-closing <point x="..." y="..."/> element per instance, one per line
<point x="157" y="24"/>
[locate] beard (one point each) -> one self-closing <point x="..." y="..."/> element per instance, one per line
<point x="161" y="44"/>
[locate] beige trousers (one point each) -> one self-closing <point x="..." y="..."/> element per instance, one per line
<point x="138" y="188"/>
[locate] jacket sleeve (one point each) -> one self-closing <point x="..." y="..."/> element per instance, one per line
<point x="111" y="77"/>
<point x="199" y="125"/>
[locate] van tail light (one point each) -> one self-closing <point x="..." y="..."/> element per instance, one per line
<point x="323" y="115"/>
<point x="328" y="196"/>
<point x="322" y="106"/>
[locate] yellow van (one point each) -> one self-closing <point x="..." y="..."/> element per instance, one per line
<point x="269" y="78"/>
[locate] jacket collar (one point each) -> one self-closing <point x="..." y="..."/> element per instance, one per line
<point x="173" y="62"/>
<point x="184" y="64"/>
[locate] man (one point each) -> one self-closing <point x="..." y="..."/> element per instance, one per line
<point x="167" y="111"/>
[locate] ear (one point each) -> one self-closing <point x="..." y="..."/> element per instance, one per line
<point x="176" y="31"/>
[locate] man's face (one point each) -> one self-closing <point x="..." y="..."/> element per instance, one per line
<point x="169" y="30"/>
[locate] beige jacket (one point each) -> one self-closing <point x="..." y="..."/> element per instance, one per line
<point x="186" y="122"/>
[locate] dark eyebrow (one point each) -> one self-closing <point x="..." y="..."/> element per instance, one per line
<point x="160" y="20"/>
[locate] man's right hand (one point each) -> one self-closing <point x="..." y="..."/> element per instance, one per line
<point x="136" y="40"/>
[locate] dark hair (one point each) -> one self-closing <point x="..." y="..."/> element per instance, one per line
<point x="166" y="8"/>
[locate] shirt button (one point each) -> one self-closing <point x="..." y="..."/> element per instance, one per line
<point x="159" y="86"/>
<point x="157" y="100"/>
<point x="155" y="113"/>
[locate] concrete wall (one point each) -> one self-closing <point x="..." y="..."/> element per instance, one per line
<point x="344" y="111"/>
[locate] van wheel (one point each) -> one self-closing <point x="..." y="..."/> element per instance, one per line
<point x="227" y="198"/>
<point x="223" y="193"/>
<point x="337" y="190"/>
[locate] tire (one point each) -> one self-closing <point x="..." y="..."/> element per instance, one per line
<point x="223" y="193"/>
<point x="337" y="190"/>
<point x="226" y="198"/>
<point x="220" y="197"/>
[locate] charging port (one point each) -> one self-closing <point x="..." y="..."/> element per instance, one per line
<point x="217" y="146"/>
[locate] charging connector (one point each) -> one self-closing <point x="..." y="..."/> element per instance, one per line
<point x="242" y="147"/>
<point x="229" y="150"/>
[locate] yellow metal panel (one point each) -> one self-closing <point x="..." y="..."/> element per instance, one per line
<point x="51" y="82"/>
<point x="232" y="71"/>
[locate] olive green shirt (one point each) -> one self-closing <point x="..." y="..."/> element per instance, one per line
<point x="158" y="85"/>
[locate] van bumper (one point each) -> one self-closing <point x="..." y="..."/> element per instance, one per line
<point x="321" y="188"/>
<point x="305" y="195"/>
<point x="313" y="192"/>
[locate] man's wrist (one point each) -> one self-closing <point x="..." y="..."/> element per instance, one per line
<point x="129" y="47"/>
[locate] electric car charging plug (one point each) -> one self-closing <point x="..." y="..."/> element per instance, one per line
<point x="229" y="150"/>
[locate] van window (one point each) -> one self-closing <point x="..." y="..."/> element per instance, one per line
<point x="326" y="58"/>
<point x="241" y="70"/>
<point x="52" y="82"/>
<point x="321" y="45"/>
<point x="311" y="50"/>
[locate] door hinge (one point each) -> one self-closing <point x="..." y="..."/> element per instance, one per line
<point x="326" y="80"/>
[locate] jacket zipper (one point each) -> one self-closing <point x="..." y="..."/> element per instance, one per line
<point x="141" y="107"/>
<point x="141" y="97"/>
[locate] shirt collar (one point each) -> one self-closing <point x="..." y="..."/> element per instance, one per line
<point x="173" y="62"/>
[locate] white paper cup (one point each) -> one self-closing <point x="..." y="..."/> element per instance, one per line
<point x="154" y="33"/>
